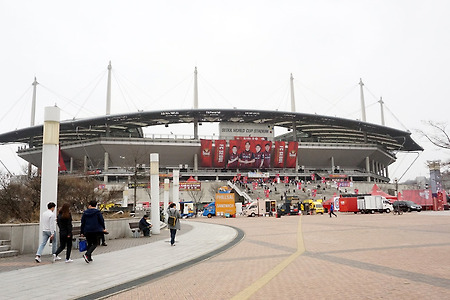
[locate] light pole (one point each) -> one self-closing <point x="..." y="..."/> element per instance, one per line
<point x="396" y="187"/>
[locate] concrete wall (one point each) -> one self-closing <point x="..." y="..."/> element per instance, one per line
<point x="25" y="238"/>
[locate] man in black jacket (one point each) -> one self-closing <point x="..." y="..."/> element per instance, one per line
<point x="144" y="226"/>
<point x="92" y="227"/>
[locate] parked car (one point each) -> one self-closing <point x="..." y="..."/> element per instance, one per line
<point x="407" y="205"/>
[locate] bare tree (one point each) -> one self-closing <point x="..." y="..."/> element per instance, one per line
<point x="196" y="196"/>
<point x="437" y="135"/>
<point x="214" y="187"/>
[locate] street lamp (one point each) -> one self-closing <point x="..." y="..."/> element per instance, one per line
<point x="396" y="187"/>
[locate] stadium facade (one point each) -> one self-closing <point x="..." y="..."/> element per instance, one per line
<point x="113" y="147"/>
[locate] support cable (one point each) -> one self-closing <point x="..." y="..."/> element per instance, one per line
<point x="15" y="103"/>
<point x="215" y="90"/>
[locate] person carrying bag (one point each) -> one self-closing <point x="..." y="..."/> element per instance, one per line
<point x="173" y="222"/>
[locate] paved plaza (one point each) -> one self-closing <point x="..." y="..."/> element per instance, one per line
<point x="379" y="256"/>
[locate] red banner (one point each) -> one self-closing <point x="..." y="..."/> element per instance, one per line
<point x="219" y="153"/>
<point x="291" y="156"/>
<point x="61" y="164"/>
<point x="279" y="154"/>
<point x="206" y="153"/>
<point x="267" y="153"/>
<point x="259" y="155"/>
<point x="247" y="154"/>
<point x="233" y="154"/>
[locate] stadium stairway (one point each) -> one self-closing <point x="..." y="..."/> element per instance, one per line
<point x="5" y="249"/>
<point x="239" y="191"/>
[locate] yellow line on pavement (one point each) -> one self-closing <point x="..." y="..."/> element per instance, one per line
<point x="262" y="281"/>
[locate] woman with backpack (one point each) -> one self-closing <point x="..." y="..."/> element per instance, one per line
<point x="173" y="222"/>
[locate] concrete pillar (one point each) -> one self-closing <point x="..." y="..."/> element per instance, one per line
<point x="386" y="170"/>
<point x="176" y="188"/>
<point x="71" y="165"/>
<point x="105" y="167"/>
<point x="166" y="197"/>
<point x="85" y="166"/>
<point x="154" y="187"/>
<point x="126" y="196"/>
<point x="195" y="165"/>
<point x="368" y="168"/>
<point x="332" y="164"/>
<point x="49" y="169"/>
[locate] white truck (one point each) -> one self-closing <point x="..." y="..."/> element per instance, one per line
<point x="371" y="204"/>
<point x="261" y="207"/>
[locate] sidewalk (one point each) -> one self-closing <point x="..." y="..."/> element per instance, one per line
<point x="112" y="268"/>
<point x="379" y="256"/>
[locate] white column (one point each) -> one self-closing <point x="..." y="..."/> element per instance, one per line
<point x="71" y="165"/>
<point x="108" y="91"/>
<point x="363" y="105"/>
<point x="125" y="196"/>
<point x="154" y="187"/>
<point x="49" y="168"/>
<point x="166" y="197"/>
<point x="368" y="168"/>
<point x="292" y="94"/>
<point x="196" y="165"/>
<point x="106" y="167"/>
<point x="195" y="103"/>
<point x="85" y="164"/>
<point x="176" y="188"/>
<point x="382" y="111"/>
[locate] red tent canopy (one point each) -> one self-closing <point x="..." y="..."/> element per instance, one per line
<point x="376" y="191"/>
<point x="327" y="203"/>
<point x="191" y="179"/>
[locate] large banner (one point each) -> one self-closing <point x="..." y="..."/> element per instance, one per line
<point x="267" y="153"/>
<point x="233" y="155"/>
<point x="291" y="156"/>
<point x="247" y="155"/>
<point x="232" y="130"/>
<point x="279" y="154"/>
<point x="206" y="153"/>
<point x="190" y="186"/>
<point x="220" y="153"/>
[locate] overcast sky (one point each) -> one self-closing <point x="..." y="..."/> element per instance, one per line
<point x="244" y="52"/>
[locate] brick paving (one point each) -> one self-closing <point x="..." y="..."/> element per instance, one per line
<point x="378" y="256"/>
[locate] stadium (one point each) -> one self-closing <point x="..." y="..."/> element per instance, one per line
<point x="114" y="147"/>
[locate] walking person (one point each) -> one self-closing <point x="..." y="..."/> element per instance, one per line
<point x="332" y="210"/>
<point x="48" y="232"/>
<point x="92" y="227"/>
<point x="64" y="221"/>
<point x="172" y="211"/>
